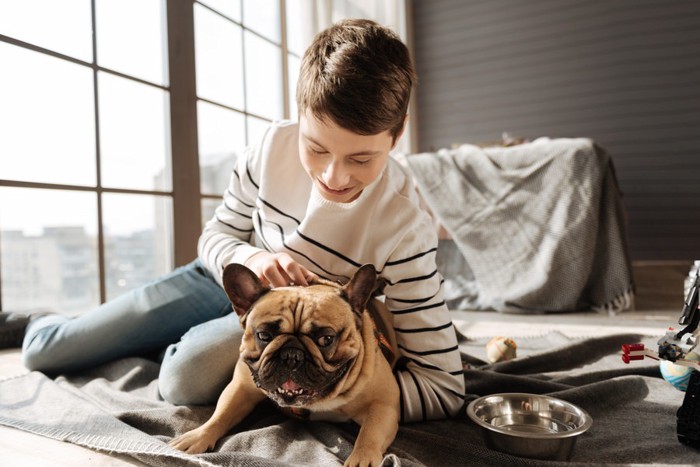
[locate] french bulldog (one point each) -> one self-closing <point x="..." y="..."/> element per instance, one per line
<point x="315" y="350"/>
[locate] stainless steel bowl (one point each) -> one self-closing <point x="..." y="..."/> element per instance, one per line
<point x="529" y="425"/>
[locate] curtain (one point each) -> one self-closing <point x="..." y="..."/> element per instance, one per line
<point x="319" y="14"/>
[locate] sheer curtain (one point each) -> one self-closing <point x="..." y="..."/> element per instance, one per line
<point x="317" y="15"/>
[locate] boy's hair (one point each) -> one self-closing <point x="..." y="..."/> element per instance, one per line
<point x="359" y="74"/>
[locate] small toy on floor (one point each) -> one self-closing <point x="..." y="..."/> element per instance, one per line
<point x="678" y="376"/>
<point x="501" y="349"/>
<point x="680" y="363"/>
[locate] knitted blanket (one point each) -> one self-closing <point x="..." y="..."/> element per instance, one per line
<point x="116" y="408"/>
<point x="540" y="225"/>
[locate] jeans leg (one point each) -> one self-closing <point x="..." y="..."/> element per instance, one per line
<point x="143" y="320"/>
<point x="197" y="369"/>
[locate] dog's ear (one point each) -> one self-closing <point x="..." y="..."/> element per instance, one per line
<point x="359" y="290"/>
<point x="242" y="287"/>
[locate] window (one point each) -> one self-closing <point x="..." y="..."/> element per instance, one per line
<point x="92" y="147"/>
<point x="241" y="83"/>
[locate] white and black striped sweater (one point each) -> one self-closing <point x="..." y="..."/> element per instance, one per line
<point x="271" y="204"/>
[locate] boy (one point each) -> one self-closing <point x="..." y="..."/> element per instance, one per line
<point x="317" y="198"/>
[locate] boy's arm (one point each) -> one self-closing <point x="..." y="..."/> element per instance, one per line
<point x="431" y="379"/>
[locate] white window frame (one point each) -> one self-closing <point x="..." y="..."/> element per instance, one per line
<point x="186" y="194"/>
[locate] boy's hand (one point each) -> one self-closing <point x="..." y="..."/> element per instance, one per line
<point x="278" y="269"/>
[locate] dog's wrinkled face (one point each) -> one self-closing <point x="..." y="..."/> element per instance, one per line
<point x="299" y="342"/>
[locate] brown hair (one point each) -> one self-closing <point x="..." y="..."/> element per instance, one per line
<point x="359" y="74"/>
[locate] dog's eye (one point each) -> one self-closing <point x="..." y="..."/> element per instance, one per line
<point x="325" y="341"/>
<point x="264" y="336"/>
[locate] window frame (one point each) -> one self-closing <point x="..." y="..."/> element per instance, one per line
<point x="185" y="194"/>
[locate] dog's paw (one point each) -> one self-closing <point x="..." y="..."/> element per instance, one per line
<point x="364" y="458"/>
<point x="194" y="442"/>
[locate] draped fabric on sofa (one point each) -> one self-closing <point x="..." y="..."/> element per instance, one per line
<point x="537" y="227"/>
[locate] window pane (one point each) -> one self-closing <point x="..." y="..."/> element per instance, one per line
<point x="263" y="77"/>
<point x="230" y="8"/>
<point x="208" y="207"/>
<point x="138" y="240"/>
<point x="256" y="129"/>
<point x="218" y="58"/>
<point x="64" y="27"/>
<point x="131" y="36"/>
<point x="221" y="138"/>
<point x="294" y="37"/>
<point x="133" y="134"/>
<point x="47" y="119"/>
<point x="263" y="16"/>
<point x="294" y="65"/>
<point x="48" y="250"/>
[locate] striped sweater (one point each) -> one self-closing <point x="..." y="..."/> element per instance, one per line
<point x="272" y="204"/>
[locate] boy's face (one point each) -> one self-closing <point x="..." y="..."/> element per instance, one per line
<point x="341" y="163"/>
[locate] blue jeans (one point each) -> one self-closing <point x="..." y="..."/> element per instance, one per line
<point x="185" y="312"/>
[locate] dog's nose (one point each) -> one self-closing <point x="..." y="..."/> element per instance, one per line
<point x="292" y="356"/>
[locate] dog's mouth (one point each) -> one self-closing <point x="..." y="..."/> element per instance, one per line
<point x="292" y="393"/>
<point x="290" y="388"/>
<point x="296" y="392"/>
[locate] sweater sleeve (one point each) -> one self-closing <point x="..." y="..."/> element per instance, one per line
<point x="226" y="237"/>
<point x="429" y="370"/>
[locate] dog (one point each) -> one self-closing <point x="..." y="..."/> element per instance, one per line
<point x="314" y="351"/>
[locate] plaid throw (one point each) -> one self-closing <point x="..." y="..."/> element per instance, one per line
<point x="540" y="225"/>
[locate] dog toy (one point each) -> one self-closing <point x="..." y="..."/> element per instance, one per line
<point x="501" y="349"/>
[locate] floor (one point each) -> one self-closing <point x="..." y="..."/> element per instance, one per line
<point x="484" y="324"/>
<point x="19" y="448"/>
<point x="658" y="305"/>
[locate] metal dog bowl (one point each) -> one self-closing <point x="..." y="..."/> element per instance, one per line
<point x="529" y="425"/>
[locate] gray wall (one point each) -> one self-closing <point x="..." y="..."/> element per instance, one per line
<point x="623" y="72"/>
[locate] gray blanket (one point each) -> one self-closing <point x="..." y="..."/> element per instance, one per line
<point x="116" y="408"/>
<point x="539" y="225"/>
